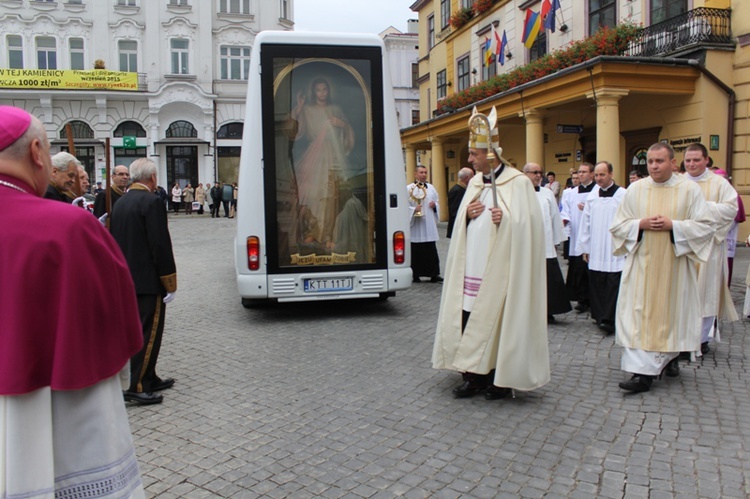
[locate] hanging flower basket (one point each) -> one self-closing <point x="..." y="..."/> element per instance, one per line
<point x="606" y="41"/>
<point x="482" y="6"/>
<point x="461" y="17"/>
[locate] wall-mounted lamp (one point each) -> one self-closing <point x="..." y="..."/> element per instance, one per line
<point x="564" y="28"/>
<point x="450" y="154"/>
<point x="449" y="84"/>
<point x="474" y="71"/>
<point x="508" y="55"/>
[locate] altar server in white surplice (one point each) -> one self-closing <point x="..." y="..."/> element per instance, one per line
<point x="595" y="243"/>
<point x="712" y="275"/>
<point x="665" y="228"/>
<point x="423" y="203"/>
<point x="571" y="211"/>
<point x="491" y="325"/>
<point x="557" y="295"/>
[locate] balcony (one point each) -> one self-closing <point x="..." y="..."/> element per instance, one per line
<point x="698" y="26"/>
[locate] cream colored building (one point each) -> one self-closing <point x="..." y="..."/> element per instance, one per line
<point x="686" y="78"/>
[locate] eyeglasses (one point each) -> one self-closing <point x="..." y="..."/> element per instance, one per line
<point x="537" y="173"/>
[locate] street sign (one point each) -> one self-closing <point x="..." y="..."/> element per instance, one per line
<point x="128" y="142"/>
<point x="569" y="129"/>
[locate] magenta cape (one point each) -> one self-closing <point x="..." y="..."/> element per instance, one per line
<point x="68" y="311"/>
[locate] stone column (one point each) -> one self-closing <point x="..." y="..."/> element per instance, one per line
<point x="534" y="137"/>
<point x="608" y="129"/>
<point x="411" y="163"/>
<point x="437" y="176"/>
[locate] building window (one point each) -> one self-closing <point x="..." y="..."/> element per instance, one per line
<point x="445" y="13"/>
<point x="46" y="53"/>
<point x="15" y="52"/>
<point x="234" y="6"/>
<point x="235" y="63"/>
<point x="414" y="74"/>
<point x="539" y="48"/>
<point x="181" y="129"/>
<point x="601" y="13"/>
<point x="442" y="84"/>
<point x="128" y="50"/>
<point x="129" y="129"/>
<point x="430" y="32"/>
<point x="488" y="69"/>
<point x="462" y="71"/>
<point x="284" y="9"/>
<point x="76" y="53"/>
<point x="126" y="3"/>
<point x="80" y="130"/>
<point x="415" y="116"/>
<point x="180" y="56"/>
<point x="467" y="4"/>
<point x="231" y="131"/>
<point x="661" y="10"/>
<point x="181" y="3"/>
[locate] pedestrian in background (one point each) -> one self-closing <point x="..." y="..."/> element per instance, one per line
<point x="176" y="198"/>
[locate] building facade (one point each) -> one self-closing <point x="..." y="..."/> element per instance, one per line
<point x="681" y="79"/>
<point x="403" y="56"/>
<point x="191" y="58"/>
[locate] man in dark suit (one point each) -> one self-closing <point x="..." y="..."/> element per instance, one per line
<point x="120" y="179"/>
<point x="139" y="225"/>
<point x="216" y="197"/>
<point x="455" y="195"/>
<point x="62" y="178"/>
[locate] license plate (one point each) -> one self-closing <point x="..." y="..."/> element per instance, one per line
<point x="329" y="285"/>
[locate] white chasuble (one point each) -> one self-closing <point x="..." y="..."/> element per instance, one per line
<point x="658" y="307"/>
<point x="507" y="329"/>
<point x="713" y="274"/>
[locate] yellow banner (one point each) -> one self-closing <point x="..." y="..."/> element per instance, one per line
<point x="70" y="79"/>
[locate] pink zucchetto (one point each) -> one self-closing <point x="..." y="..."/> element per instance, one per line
<point x="13" y="123"/>
<point x="721" y="172"/>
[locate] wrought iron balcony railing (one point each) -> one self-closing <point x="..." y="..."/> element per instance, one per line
<point x="701" y="25"/>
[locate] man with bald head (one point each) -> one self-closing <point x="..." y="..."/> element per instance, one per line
<point x="63" y="177"/>
<point x="60" y="392"/>
<point x="557" y="294"/>
<point x="456" y="195"/>
<point x="120" y="179"/>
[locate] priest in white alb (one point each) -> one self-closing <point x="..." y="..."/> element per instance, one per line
<point x="595" y="243"/>
<point x="664" y="228"/>
<point x="424" y="208"/>
<point x="557" y="294"/>
<point x="491" y="325"/>
<point x="713" y="275"/>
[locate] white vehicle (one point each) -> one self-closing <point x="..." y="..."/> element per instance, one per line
<point x="322" y="211"/>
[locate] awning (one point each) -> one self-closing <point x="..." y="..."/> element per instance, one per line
<point x="181" y="141"/>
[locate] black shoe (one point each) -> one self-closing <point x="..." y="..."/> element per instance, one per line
<point x="436" y="278"/>
<point x="638" y="383"/>
<point x="609" y="329"/>
<point x="495" y="393"/>
<point x="162" y="384"/>
<point x="705" y="348"/>
<point x="468" y="389"/>
<point x="673" y="368"/>
<point x="551" y="319"/>
<point x="582" y="307"/>
<point x="143" y="398"/>
<point x="416" y="279"/>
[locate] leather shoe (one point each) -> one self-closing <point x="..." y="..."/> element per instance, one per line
<point x="673" y="368"/>
<point x="582" y="307"/>
<point x="436" y="278"/>
<point x="705" y="348"/>
<point x="467" y="389"/>
<point x="551" y="319"/>
<point x="416" y="279"/>
<point x="608" y="328"/>
<point x="638" y="383"/>
<point x="162" y="384"/>
<point x="142" y="398"/>
<point x="495" y="393"/>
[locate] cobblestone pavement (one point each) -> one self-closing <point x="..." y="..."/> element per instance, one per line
<point x="340" y="400"/>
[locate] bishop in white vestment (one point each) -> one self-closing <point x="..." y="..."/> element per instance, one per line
<point x="664" y="228"/>
<point x="490" y="326"/>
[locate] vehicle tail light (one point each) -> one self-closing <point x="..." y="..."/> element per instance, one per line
<point x="399" y="247"/>
<point x="253" y="253"/>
